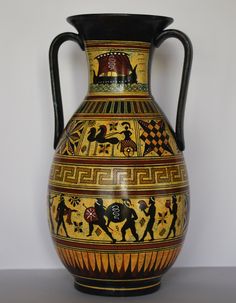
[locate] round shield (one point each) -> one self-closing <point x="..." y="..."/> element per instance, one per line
<point x="116" y="212"/>
<point x="90" y="215"/>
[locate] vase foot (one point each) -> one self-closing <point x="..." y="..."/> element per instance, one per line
<point x="117" y="288"/>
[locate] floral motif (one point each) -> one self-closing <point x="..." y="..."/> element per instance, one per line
<point x="113" y="126"/>
<point x="78" y="227"/>
<point x="70" y="138"/>
<point x="162" y="218"/>
<point x="74" y="201"/>
<point x="104" y="148"/>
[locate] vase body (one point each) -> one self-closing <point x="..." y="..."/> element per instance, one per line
<point x="118" y="188"/>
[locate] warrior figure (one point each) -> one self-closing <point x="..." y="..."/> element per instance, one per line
<point x="151" y="213"/>
<point x="173" y="212"/>
<point x="131" y="216"/>
<point x="62" y="210"/>
<point x="100" y="219"/>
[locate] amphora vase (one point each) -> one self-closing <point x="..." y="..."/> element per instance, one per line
<point x="118" y="199"/>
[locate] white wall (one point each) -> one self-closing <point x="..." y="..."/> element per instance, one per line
<point x="26" y="30"/>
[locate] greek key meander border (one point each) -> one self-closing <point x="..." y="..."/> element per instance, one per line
<point x="131" y="177"/>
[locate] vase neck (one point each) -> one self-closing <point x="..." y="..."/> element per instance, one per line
<point x="118" y="67"/>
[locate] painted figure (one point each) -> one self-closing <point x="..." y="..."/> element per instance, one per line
<point x="100" y="219"/>
<point x="173" y="212"/>
<point x="128" y="146"/>
<point x="150" y="213"/>
<point x="62" y="210"/>
<point x="50" y="204"/>
<point x="102" y="137"/>
<point x="131" y="217"/>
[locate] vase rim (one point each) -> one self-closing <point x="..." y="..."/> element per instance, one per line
<point x="99" y="15"/>
<point x="119" y="26"/>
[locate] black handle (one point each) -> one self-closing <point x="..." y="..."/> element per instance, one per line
<point x="55" y="79"/>
<point x="188" y="56"/>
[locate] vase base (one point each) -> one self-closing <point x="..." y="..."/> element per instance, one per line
<point x="117" y="288"/>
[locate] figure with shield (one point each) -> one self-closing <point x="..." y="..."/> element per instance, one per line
<point x="128" y="146"/>
<point x="96" y="216"/>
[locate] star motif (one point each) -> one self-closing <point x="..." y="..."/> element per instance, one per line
<point x="155" y="137"/>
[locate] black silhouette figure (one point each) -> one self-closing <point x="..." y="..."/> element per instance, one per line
<point x="101" y="137"/>
<point x="127" y="133"/>
<point x="92" y="134"/>
<point x="100" y="212"/>
<point x="150" y="213"/>
<point x="62" y="210"/>
<point x="173" y="212"/>
<point x="128" y="146"/>
<point x="50" y="203"/>
<point x="131" y="216"/>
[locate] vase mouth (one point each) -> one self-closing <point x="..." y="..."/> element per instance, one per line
<point x="98" y="15"/>
<point x="120" y="26"/>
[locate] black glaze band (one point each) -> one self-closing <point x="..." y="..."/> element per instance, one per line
<point x="129" y="27"/>
<point x="117" y="288"/>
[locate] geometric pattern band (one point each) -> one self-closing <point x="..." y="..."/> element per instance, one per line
<point x="115" y="107"/>
<point x="140" y="262"/>
<point x="115" y="176"/>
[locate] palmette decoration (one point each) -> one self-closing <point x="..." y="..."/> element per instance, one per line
<point x="118" y="198"/>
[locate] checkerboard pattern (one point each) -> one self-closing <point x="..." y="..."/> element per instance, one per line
<point x="155" y="137"/>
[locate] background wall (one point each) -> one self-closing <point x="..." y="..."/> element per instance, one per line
<point x="26" y="30"/>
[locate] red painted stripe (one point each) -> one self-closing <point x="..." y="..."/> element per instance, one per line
<point x="121" y="162"/>
<point x="120" y="115"/>
<point x="134" y="96"/>
<point x="145" y="193"/>
<point x="123" y="247"/>
<point x="103" y="45"/>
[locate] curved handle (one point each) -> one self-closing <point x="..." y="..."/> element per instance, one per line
<point x="188" y="55"/>
<point x="55" y="79"/>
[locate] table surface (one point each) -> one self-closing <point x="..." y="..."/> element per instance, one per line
<point x="179" y="285"/>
